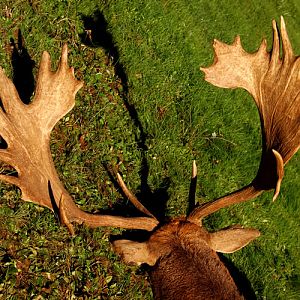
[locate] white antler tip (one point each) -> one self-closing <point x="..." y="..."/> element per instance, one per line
<point x="237" y="41"/>
<point x="194" y="169"/>
<point x="64" y="54"/>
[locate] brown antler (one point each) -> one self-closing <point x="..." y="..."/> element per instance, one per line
<point x="26" y="130"/>
<point x="274" y="83"/>
<point x="134" y="200"/>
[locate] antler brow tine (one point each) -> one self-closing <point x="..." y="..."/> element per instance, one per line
<point x="132" y="198"/>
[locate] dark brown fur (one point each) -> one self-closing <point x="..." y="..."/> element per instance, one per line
<point x="188" y="268"/>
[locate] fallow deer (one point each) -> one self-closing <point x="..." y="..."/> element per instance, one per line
<point x="181" y="251"/>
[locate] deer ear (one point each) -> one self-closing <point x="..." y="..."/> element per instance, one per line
<point x="232" y="239"/>
<point x="134" y="252"/>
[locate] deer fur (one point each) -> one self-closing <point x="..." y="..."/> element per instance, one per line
<point x="183" y="259"/>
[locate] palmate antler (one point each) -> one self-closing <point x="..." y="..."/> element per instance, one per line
<point x="26" y="130"/>
<point x="274" y="83"/>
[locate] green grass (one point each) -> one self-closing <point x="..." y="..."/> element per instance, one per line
<point x="157" y="48"/>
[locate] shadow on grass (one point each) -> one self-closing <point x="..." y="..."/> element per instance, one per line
<point x="23" y="80"/>
<point x="22" y="68"/>
<point x="239" y="278"/>
<point x="97" y="35"/>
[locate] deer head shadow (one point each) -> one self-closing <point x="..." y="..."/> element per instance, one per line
<point x="97" y="35"/>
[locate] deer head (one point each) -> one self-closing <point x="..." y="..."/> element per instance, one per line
<point x="183" y="259"/>
<point x="181" y="252"/>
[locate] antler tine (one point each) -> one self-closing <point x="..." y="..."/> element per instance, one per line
<point x="278" y="105"/>
<point x="192" y="190"/>
<point x="194" y="170"/>
<point x="134" y="200"/>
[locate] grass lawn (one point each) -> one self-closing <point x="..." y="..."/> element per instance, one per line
<point x="145" y="107"/>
